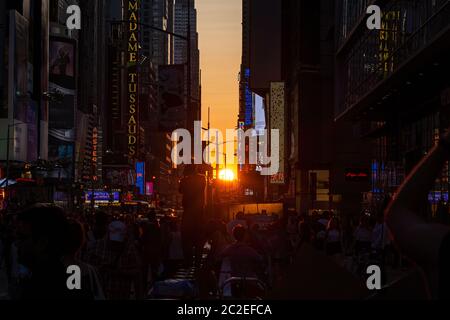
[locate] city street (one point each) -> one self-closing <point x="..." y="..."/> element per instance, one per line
<point x="221" y="150"/>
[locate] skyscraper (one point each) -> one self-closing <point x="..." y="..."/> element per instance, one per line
<point x="260" y="66"/>
<point x="23" y="92"/>
<point x="393" y="84"/>
<point x="244" y="75"/>
<point x="182" y="7"/>
<point x="156" y="45"/>
<point x="23" y="109"/>
<point x="91" y="97"/>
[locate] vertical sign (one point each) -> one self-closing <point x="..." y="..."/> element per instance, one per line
<point x="133" y="117"/>
<point x="277" y="122"/>
<point x="140" y="174"/>
<point x="149" y="188"/>
<point x="388" y="39"/>
<point x="94" y="153"/>
<point x="248" y="100"/>
<point x="241" y="147"/>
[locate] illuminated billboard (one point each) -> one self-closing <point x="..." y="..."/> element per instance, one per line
<point x="101" y="196"/>
<point x="388" y="38"/>
<point x="260" y="114"/>
<point x="140" y="177"/>
<point x="357" y="175"/>
<point x="149" y="188"/>
<point x="62" y="62"/>
<point x="241" y="148"/>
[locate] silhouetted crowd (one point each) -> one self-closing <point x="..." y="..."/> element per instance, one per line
<point x="354" y="243"/>
<point x="120" y="256"/>
<point x="243" y="255"/>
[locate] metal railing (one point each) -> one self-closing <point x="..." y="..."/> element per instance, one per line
<point x="352" y="13"/>
<point x="371" y="60"/>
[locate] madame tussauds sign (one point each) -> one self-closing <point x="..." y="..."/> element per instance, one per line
<point x="132" y="122"/>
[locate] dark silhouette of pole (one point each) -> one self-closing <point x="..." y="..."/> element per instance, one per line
<point x="217" y="155"/>
<point x="8" y="138"/>
<point x="191" y="116"/>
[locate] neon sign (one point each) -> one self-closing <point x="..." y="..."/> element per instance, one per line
<point x="132" y="76"/>
<point x="357" y="175"/>
<point x="140" y="176"/>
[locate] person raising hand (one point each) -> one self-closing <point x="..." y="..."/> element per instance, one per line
<point x="425" y="243"/>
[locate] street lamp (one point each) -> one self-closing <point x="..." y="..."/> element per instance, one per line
<point x="207" y="129"/>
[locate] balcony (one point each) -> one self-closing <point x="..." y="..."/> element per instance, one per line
<point x="409" y="29"/>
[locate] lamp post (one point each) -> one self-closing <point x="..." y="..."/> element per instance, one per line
<point x="92" y="189"/>
<point x="218" y="154"/>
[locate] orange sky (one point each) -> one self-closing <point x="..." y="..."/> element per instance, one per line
<point x="220" y="34"/>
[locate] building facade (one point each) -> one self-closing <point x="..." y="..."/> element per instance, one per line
<point x="24" y="93"/>
<point x="322" y="156"/>
<point x="394" y="83"/>
<point x="260" y="67"/>
<point x="183" y="10"/>
<point x="288" y="64"/>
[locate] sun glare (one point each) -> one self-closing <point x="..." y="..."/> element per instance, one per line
<point x="226" y="175"/>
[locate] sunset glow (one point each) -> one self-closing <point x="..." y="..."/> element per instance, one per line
<point x="226" y="175"/>
<point x="220" y="37"/>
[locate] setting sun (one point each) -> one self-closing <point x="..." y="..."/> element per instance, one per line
<point x="226" y="175"/>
